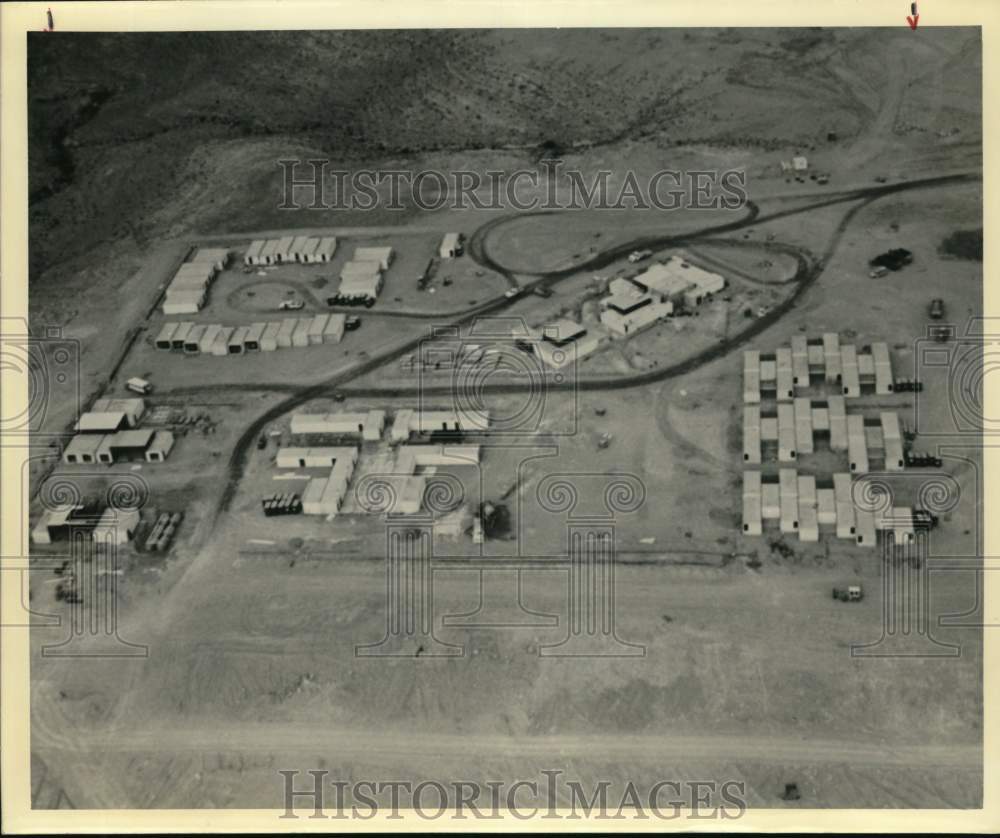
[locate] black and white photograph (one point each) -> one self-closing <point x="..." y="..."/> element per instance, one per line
<point x="458" y="424"/>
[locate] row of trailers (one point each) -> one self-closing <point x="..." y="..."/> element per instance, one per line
<point x="788" y="370"/>
<point x="801" y="507"/>
<point x="194" y="338"/>
<point x="793" y="429"/>
<point x="301" y="249"/>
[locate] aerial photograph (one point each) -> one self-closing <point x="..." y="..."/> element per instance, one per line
<point x="584" y="421"/>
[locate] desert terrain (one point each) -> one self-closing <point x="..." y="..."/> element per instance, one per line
<point x="741" y="664"/>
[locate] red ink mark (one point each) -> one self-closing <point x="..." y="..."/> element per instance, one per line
<point x="912" y="21"/>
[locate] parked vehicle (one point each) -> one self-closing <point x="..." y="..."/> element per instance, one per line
<point x="936" y="309"/>
<point x="139" y="385"/>
<point x="510" y="293"/>
<point x="541" y="291"/>
<point x="351" y="323"/>
<point x="940" y="334"/>
<point x="639" y="255"/>
<point x="291" y="305"/>
<point x="921" y="460"/>
<point x="879" y="272"/>
<point x="850" y="593"/>
<point x="261" y="443"/>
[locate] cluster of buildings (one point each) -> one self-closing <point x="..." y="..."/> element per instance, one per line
<point x="783" y="420"/>
<point x="109" y="433"/>
<point x="187" y="290"/>
<point x="405" y="472"/>
<point x="802" y="507"/>
<point x="787" y="431"/>
<point x="362" y="276"/>
<point x="301" y="249"/>
<point x="214" y="339"/>
<point x="105" y="525"/>
<point x="788" y="370"/>
<point x="634" y="303"/>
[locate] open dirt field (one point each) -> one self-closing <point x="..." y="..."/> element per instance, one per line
<point x="735" y="661"/>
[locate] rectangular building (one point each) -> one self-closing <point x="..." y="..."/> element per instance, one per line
<point x="237" y="340"/>
<point x="831" y="353"/>
<point x="164" y="338"/>
<point x="269" y="340"/>
<point x="312" y="497"/>
<point x="133" y="407"/>
<point x="299" y="247"/>
<point x="842" y="490"/>
<point x="803" y="426"/>
<point x="183" y="302"/>
<point x="285" y="332"/>
<point x="786" y="433"/>
<point x="808" y="524"/>
<point x="252" y="255"/>
<point x="789" y="500"/>
<point x="752" y="503"/>
<point x="892" y="439"/>
<point x="382" y="255"/>
<point x="208" y="339"/>
<point x="883" y="368"/>
<point x="783" y="361"/>
<point x="800" y="361"/>
<point x="283" y="249"/>
<point x="849" y="369"/>
<point x="857" y="447"/>
<point x="826" y="507"/>
<point x="82" y="449"/>
<point x="751" y="377"/>
<point x="267" y="252"/>
<point x="159" y="446"/>
<point x="367" y="425"/>
<point x="102" y="422"/>
<point x="334" y="331"/>
<point x="770" y="501"/>
<point x="838" y="423"/>
<point x="751" y="434"/>
<point x="451" y="246"/>
<point x="864" y="528"/>
<point x="218" y="257"/>
<point x="325" y="249"/>
<point x="180" y="334"/>
<point x="300" y="335"/>
<point x="317" y="328"/>
<point x="253" y="337"/>
<point x="192" y="343"/>
<point x="221" y="345"/>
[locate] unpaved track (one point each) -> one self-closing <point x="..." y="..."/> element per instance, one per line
<point x="354" y="744"/>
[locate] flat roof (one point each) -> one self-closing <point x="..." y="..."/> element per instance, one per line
<point x="565" y="329"/>
<point x="136" y="438"/>
<point x="624" y="303"/>
<point x="101" y="420"/>
<point x="211" y="254"/>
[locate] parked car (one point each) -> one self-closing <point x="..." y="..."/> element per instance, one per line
<point x="510" y="293"/>
<point x="879" y="272"/>
<point x="351" y="323"/>
<point x="936" y="309"/>
<point x="850" y="593"/>
<point x="291" y="305"/>
<point x="639" y="255"/>
<point x="541" y="291"/>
